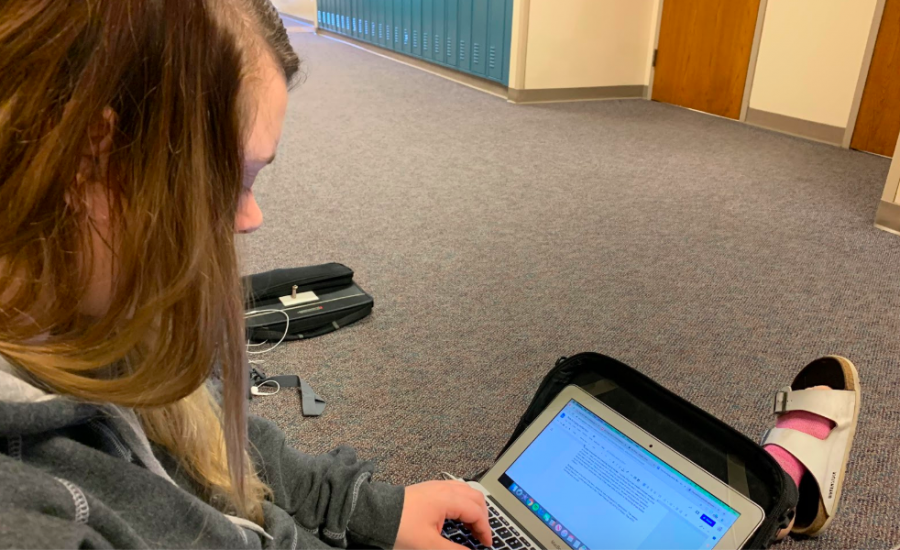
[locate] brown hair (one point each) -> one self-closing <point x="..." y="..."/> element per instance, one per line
<point x="171" y="71"/>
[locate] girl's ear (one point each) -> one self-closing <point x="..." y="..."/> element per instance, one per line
<point x="94" y="164"/>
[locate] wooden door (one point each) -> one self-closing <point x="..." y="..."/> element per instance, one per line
<point x="878" y="123"/>
<point x="703" y="54"/>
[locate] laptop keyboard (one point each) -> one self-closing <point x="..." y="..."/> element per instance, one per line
<point x="506" y="535"/>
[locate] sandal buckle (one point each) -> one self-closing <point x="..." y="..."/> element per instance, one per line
<point x="780" y="404"/>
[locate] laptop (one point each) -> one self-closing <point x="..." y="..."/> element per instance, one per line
<point x="584" y="477"/>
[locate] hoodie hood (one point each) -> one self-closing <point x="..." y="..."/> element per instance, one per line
<point x="45" y="411"/>
<point x="26" y="409"/>
<point x="14" y="389"/>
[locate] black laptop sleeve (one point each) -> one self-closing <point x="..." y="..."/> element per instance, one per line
<point x="702" y="438"/>
<point x="340" y="302"/>
<point x="270" y="285"/>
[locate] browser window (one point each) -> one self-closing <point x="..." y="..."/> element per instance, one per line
<point x="596" y="488"/>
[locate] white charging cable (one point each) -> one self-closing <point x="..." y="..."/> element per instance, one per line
<point x="287" y="325"/>
<point x="257" y="390"/>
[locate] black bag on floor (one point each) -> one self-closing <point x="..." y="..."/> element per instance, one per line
<point x="337" y="302"/>
<point x="707" y="441"/>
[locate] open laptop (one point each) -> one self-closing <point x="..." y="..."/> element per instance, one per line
<point x="584" y="477"/>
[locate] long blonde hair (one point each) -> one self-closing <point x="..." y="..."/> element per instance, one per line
<point x="171" y="71"/>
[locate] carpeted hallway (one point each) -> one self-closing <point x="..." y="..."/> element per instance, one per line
<point x="713" y="256"/>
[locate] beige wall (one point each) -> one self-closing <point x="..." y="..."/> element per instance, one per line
<point x="304" y="9"/>
<point x="587" y="43"/>
<point x="810" y="57"/>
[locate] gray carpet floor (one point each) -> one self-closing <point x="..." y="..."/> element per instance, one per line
<point x="715" y="257"/>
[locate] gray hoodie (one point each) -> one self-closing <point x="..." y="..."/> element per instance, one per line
<point x="83" y="475"/>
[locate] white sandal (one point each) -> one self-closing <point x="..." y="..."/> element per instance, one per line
<point x="825" y="459"/>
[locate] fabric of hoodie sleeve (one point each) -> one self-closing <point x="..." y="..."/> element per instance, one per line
<point x="31" y="529"/>
<point x="331" y="495"/>
<point x="38" y="511"/>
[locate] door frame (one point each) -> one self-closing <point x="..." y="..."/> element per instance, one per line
<point x="864" y="73"/>
<point x="518" y="44"/>
<point x="651" y="58"/>
<point x="751" y="66"/>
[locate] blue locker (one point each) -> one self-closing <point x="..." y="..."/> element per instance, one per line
<point x="351" y="28"/>
<point x="496" y="38"/>
<point x="383" y="28"/>
<point x="398" y="25"/>
<point x="329" y="15"/>
<point x="406" y="30"/>
<point x="338" y="16"/>
<point x="354" y="15"/>
<point x="507" y="42"/>
<point x="439" y="23"/>
<point x="332" y="15"/>
<point x="362" y="21"/>
<point x="388" y="9"/>
<point x="416" y="27"/>
<point x="367" y="26"/>
<point x="450" y="30"/>
<point x="479" y="37"/>
<point x="348" y="13"/>
<point x="464" y="32"/>
<point x="378" y="20"/>
<point x="427" y="24"/>
<point x="326" y="15"/>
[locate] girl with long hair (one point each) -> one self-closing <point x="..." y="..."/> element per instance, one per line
<point x="131" y="132"/>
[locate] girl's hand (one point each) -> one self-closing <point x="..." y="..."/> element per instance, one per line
<point x="427" y="505"/>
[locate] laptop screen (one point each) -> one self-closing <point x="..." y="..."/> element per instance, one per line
<point x="597" y="488"/>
